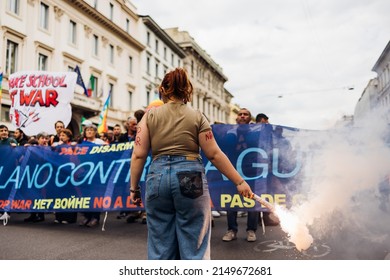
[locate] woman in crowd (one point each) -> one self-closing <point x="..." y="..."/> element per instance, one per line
<point x="89" y="138"/>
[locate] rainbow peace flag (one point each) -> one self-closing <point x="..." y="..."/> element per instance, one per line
<point x="102" y="127"/>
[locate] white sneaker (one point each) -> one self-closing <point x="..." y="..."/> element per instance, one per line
<point x="229" y="236"/>
<point x="5" y="217"/>
<point x="250" y="236"/>
<point x="223" y="213"/>
<point x="215" y="214"/>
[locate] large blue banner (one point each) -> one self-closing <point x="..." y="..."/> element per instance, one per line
<point x="96" y="178"/>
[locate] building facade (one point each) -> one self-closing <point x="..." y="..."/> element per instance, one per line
<point x="51" y="35"/>
<point x="207" y="78"/>
<point x="161" y="55"/>
<point x="117" y="51"/>
<point x="376" y="95"/>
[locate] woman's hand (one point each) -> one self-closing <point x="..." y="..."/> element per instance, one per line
<point x="135" y="195"/>
<point x="244" y="189"/>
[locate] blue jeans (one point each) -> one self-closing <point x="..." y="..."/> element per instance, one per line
<point x="252" y="221"/>
<point x="177" y="203"/>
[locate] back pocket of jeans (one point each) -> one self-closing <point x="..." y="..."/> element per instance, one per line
<point x="191" y="184"/>
<point x="153" y="181"/>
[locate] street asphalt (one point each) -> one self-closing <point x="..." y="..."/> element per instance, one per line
<point x="122" y="241"/>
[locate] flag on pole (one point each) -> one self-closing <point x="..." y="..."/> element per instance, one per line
<point x="91" y="85"/>
<point x="80" y="80"/>
<point x="103" y="127"/>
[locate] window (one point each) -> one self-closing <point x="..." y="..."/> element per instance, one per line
<point x="4" y="113"/>
<point x="178" y="63"/>
<point x="11" y="60"/>
<point x="130" y="100"/>
<point x="157" y="70"/>
<point x="147" y="97"/>
<point x="111" y="90"/>
<point x="148" y="38"/>
<point x="42" y="62"/>
<point x="70" y="68"/>
<point x="165" y="53"/>
<point x="165" y="70"/>
<point x="130" y="65"/>
<point x="127" y="25"/>
<point x="156" y="46"/>
<point x="111" y="54"/>
<point x="95" y="46"/>
<point x="172" y="59"/>
<point x="44" y="16"/>
<point x="13" y="6"/>
<point x="95" y="4"/>
<point x="72" y="32"/>
<point x="148" y="65"/>
<point x="111" y="11"/>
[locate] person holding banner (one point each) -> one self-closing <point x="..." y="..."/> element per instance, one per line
<point x="91" y="219"/>
<point x="177" y="198"/>
<point x="59" y="125"/>
<point x="241" y="138"/>
<point x="6" y="140"/>
<point x="65" y="139"/>
<point x="36" y="217"/>
<point x="20" y="137"/>
<point x="4" y="137"/>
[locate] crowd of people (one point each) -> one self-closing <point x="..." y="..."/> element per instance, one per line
<point x="64" y="136"/>
<point x="178" y="216"/>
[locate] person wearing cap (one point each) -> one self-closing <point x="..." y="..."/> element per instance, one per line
<point x="84" y="124"/>
<point x="89" y="135"/>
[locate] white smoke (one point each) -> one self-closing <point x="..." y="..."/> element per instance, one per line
<point x="345" y="183"/>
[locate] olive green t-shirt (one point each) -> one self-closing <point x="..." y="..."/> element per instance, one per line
<point x="174" y="129"/>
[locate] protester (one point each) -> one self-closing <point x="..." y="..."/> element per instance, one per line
<point x="139" y="114"/>
<point x="59" y="125"/>
<point x="6" y="140"/>
<point x="177" y="197"/>
<point x="131" y="130"/>
<point x="20" y="137"/>
<point x="117" y="131"/>
<point x="4" y="136"/>
<point x="241" y="138"/>
<point x="35" y="217"/>
<point x="90" y="131"/>
<point x="267" y="218"/>
<point x="66" y="137"/>
<point x="129" y="136"/>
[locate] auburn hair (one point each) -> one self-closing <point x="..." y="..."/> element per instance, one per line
<point x="176" y="84"/>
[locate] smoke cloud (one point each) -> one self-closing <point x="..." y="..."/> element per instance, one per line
<point x="346" y="180"/>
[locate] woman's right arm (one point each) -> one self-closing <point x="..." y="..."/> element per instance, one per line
<point x="222" y="163"/>
<point x="138" y="158"/>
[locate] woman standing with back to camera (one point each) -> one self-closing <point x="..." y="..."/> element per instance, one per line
<point x="177" y="198"/>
